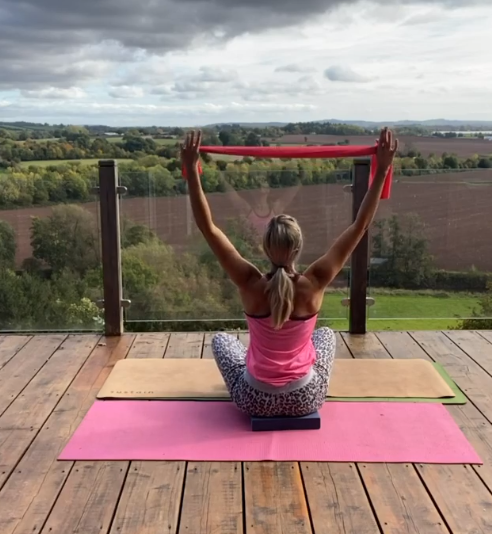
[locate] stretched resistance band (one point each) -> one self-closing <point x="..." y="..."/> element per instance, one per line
<point x="305" y="152"/>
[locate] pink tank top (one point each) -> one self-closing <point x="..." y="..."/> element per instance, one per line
<point x="277" y="357"/>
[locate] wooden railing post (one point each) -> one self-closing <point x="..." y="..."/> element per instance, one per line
<point x="360" y="258"/>
<point x="111" y="250"/>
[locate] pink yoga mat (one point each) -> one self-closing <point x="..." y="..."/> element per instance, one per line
<point x="217" y="431"/>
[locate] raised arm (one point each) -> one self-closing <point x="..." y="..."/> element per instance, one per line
<point x="326" y="268"/>
<point x="241" y="271"/>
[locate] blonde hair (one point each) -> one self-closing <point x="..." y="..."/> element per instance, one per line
<point x="282" y="243"/>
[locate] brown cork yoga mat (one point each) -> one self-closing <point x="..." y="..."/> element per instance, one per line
<point x="199" y="379"/>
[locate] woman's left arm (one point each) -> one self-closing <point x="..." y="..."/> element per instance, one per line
<point x="241" y="271"/>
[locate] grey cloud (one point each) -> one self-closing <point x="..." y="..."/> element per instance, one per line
<point x="54" y="93"/>
<point x="208" y="74"/>
<point x="294" y="68"/>
<point x="126" y="91"/>
<point x="161" y="90"/>
<point x="42" y="41"/>
<point x="337" y="73"/>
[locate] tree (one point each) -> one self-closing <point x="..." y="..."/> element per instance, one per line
<point x="133" y="234"/>
<point x="252" y="139"/>
<point x="450" y="162"/>
<point x="401" y="243"/>
<point x="7" y="245"/>
<point x="485" y="163"/>
<point x="67" y="239"/>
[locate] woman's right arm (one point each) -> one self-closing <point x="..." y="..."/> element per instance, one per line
<point x="326" y="268"/>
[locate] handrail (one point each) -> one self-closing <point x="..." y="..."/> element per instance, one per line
<point x="111" y="247"/>
<point x="359" y="262"/>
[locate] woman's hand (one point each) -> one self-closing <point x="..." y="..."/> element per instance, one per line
<point x="387" y="147"/>
<point x="190" y="150"/>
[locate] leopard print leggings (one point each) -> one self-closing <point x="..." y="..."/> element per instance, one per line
<point x="230" y="355"/>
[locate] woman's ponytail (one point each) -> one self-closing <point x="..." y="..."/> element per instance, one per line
<point x="281" y="297"/>
<point x="282" y="244"/>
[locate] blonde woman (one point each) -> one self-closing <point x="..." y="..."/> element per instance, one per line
<point x="286" y="369"/>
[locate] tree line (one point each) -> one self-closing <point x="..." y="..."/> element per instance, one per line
<point x="72" y="182"/>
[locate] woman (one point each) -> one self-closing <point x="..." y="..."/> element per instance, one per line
<point x="286" y="369"/>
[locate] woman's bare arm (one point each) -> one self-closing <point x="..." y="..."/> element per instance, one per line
<point x="239" y="270"/>
<point x="326" y="268"/>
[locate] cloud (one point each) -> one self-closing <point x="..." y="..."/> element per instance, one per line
<point x="215" y="75"/>
<point x="44" y="42"/>
<point x="126" y="91"/>
<point x="190" y="58"/>
<point x="337" y="73"/>
<point x="294" y="68"/>
<point x="55" y="93"/>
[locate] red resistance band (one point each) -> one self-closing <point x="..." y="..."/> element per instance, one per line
<point x="312" y="152"/>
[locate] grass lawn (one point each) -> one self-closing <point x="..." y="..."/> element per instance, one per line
<point x="47" y="163"/>
<point x="405" y="310"/>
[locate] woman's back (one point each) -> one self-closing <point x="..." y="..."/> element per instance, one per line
<point x="279" y="357"/>
<point x="307" y="297"/>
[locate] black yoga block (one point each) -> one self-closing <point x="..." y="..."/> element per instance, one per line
<point x="306" y="422"/>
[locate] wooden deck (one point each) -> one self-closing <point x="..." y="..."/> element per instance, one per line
<point x="47" y="384"/>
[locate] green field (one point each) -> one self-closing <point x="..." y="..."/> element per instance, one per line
<point x="48" y="163"/>
<point x="404" y="310"/>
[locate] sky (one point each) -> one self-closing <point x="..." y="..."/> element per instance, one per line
<point x="197" y="62"/>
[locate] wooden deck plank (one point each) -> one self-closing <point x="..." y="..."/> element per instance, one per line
<point x="147" y="500"/>
<point x="400" y="345"/>
<point x="486" y="334"/>
<point x="342" y="350"/>
<point x="212" y="500"/>
<point x="393" y="490"/>
<point x="469" y="376"/>
<point x="335" y="492"/>
<point x="152" y="345"/>
<point x="274" y="499"/>
<point x="471" y="421"/>
<point x="479" y="433"/>
<point x="461" y="496"/>
<point x="19" y="370"/>
<point x="400" y="500"/>
<point x="10" y="346"/>
<point x="453" y="505"/>
<point x="477" y="348"/>
<point x="26" y="415"/>
<point x="365" y="346"/>
<point x="274" y="494"/>
<point x="337" y="500"/>
<point x="133" y="497"/>
<point x="207" y="346"/>
<point x="108" y="480"/>
<point x="84" y="505"/>
<point x="32" y="489"/>
<point x="151" y="499"/>
<point x="185" y="345"/>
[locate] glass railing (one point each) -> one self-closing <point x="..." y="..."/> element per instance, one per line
<point x="169" y="273"/>
<point x="50" y="253"/>
<point x="430" y="259"/>
<point x="431" y="253"/>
